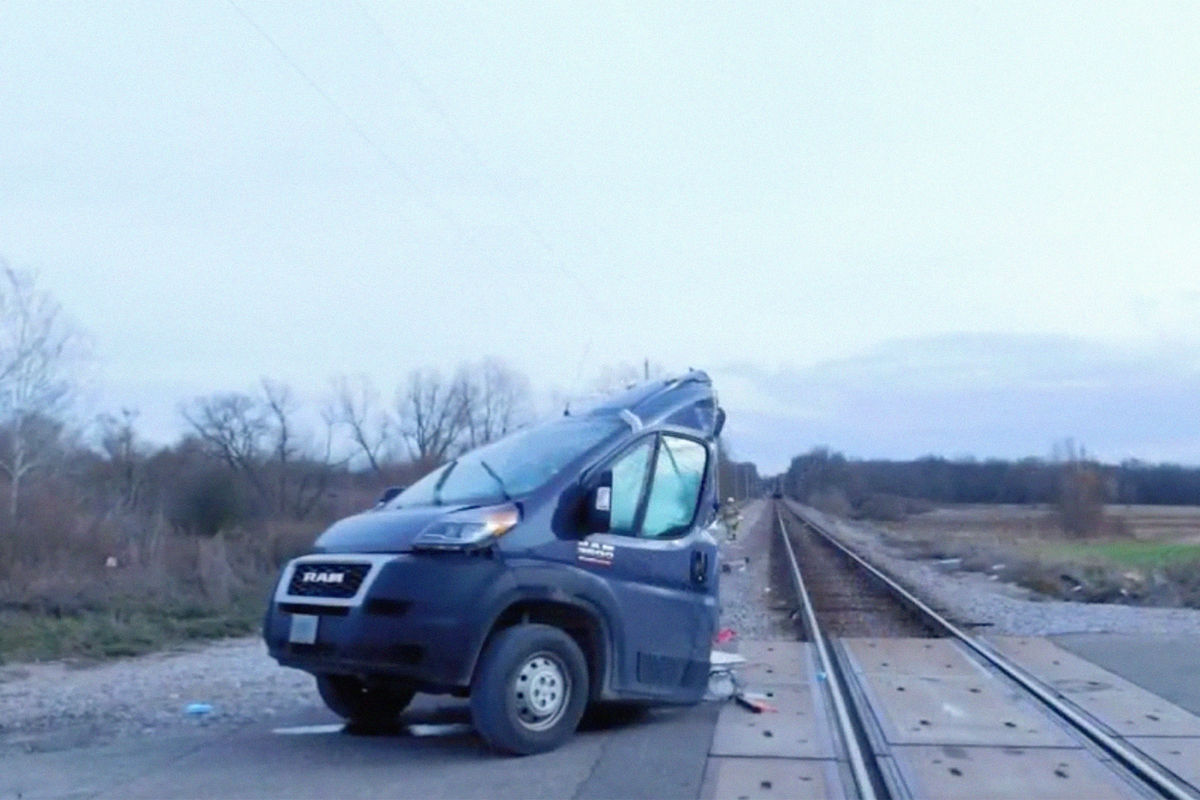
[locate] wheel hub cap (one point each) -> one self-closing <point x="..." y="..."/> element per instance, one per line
<point x="540" y="691"/>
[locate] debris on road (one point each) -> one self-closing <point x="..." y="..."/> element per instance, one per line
<point x="724" y="684"/>
<point x="721" y="659"/>
<point x="754" y="702"/>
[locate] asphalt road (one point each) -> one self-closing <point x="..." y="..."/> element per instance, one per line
<point x="658" y="753"/>
<point x="1169" y="666"/>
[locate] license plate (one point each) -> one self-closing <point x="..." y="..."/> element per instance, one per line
<point x="304" y="629"/>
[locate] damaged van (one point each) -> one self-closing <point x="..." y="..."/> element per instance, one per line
<point x="567" y="564"/>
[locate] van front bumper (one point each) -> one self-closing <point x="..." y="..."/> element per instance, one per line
<point x="417" y="617"/>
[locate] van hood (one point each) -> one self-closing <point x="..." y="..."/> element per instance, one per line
<point x="387" y="530"/>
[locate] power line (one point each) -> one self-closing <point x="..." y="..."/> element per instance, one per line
<point x="346" y="117"/>
<point x="465" y="142"/>
<point x="556" y="262"/>
<point x="428" y="94"/>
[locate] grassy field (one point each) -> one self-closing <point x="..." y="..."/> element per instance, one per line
<point x="1131" y="554"/>
<point x="125" y="629"/>
<point x="175" y="590"/>
<point x="1142" y="554"/>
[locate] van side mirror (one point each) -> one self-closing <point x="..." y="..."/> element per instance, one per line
<point x="598" y="514"/>
<point x="389" y="494"/>
<point x="718" y="422"/>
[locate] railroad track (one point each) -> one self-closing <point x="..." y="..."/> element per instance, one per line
<point x="890" y="747"/>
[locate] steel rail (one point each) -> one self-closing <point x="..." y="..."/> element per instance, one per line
<point x="837" y="690"/>
<point x="1144" y="768"/>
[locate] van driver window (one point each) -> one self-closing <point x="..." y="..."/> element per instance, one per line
<point x="629" y="475"/>
<point x="676" y="488"/>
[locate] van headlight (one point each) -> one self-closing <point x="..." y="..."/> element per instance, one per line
<point x="468" y="530"/>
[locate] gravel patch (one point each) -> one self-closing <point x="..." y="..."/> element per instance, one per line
<point x="970" y="597"/>
<point x="749" y="603"/>
<point x="57" y="704"/>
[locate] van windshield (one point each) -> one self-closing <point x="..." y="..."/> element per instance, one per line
<point x="514" y="465"/>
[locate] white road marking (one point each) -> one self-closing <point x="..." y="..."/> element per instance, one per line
<point x="302" y="730"/>
<point x="447" y="729"/>
<point x="443" y="729"/>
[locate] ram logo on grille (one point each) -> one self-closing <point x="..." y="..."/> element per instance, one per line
<point x="323" y="577"/>
<point x="327" y="580"/>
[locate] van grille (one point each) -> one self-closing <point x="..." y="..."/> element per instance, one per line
<point x="315" y="579"/>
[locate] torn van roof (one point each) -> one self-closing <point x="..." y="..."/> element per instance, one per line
<point x="687" y="401"/>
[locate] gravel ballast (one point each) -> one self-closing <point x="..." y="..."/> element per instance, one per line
<point x="1002" y="608"/>
<point x="749" y="605"/>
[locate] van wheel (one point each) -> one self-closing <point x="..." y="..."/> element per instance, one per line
<point x="530" y="689"/>
<point x="361" y="703"/>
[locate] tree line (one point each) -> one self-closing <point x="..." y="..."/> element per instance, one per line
<point x="827" y="476"/>
<point x="288" y="461"/>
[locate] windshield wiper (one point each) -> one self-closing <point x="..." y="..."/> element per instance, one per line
<point x="498" y="479"/>
<point x="437" y="487"/>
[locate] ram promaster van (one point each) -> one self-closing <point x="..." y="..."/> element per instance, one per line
<point x="569" y="563"/>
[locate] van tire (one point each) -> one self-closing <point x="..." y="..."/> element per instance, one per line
<point x="530" y="689"/>
<point x="360" y="703"/>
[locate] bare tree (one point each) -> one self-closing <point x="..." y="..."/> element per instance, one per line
<point x="496" y="400"/>
<point x="279" y="406"/>
<point x="259" y="438"/>
<point x="1082" y="491"/>
<point x="316" y="470"/>
<point x="355" y="406"/>
<point x="431" y="413"/>
<point x="302" y="468"/>
<point x="38" y="348"/>
<point x="234" y="426"/>
<point x="118" y="440"/>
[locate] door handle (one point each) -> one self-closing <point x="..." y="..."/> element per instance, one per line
<point x="699" y="567"/>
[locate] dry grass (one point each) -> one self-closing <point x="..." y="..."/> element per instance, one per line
<point x="1144" y="554"/>
<point x="73" y="587"/>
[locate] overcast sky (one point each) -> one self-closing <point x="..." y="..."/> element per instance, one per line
<point x="893" y="228"/>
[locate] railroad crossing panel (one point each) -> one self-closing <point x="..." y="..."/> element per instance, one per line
<point x="1181" y="756"/>
<point x="949" y="701"/>
<point x="1124" y="707"/>
<point x="1008" y="772"/>
<point x="907" y="656"/>
<point x="783" y="672"/>
<point x="775" y="662"/>
<point x="798" y="729"/>
<point x="770" y="778"/>
<point x="915" y="709"/>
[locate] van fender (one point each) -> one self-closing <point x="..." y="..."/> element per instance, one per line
<point x="567" y="587"/>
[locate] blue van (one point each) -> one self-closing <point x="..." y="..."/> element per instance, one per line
<point x="569" y="563"/>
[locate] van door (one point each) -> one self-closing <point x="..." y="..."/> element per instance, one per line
<point x="663" y="567"/>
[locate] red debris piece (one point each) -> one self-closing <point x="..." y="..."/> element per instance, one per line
<point x="755" y="705"/>
<point x="724" y="635"/>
